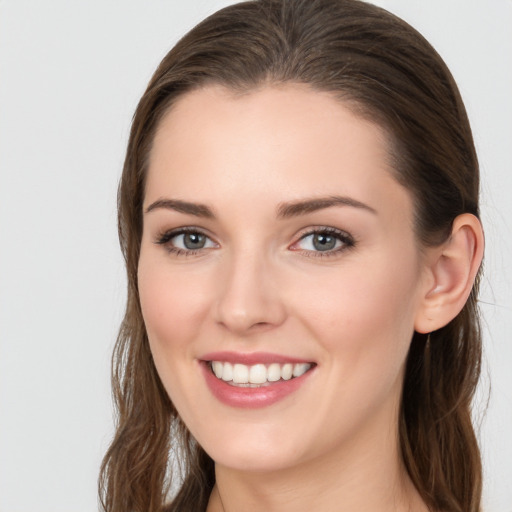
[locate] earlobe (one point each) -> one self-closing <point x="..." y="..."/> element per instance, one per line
<point x="453" y="267"/>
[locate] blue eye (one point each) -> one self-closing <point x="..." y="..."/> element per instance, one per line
<point x="190" y="241"/>
<point x="320" y="242"/>
<point x="187" y="241"/>
<point x="326" y="240"/>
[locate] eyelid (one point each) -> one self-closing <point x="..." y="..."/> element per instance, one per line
<point x="164" y="237"/>
<point x="347" y="240"/>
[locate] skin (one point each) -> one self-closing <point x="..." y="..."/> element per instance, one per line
<point x="259" y="285"/>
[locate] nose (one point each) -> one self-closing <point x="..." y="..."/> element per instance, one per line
<point x="249" y="298"/>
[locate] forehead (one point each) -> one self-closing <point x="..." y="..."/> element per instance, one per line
<point x="290" y="109"/>
<point x="280" y="142"/>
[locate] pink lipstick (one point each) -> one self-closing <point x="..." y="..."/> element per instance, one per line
<point x="253" y="380"/>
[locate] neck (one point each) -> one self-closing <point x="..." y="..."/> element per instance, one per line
<point x="303" y="491"/>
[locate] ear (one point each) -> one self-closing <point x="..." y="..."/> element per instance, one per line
<point x="451" y="270"/>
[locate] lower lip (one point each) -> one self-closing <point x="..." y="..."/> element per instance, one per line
<point x="251" y="398"/>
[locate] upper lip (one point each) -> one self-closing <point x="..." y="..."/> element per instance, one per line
<point x="251" y="358"/>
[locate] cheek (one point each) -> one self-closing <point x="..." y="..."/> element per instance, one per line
<point x="173" y="304"/>
<point x="365" y="314"/>
<point x="173" y="307"/>
<point x="364" y="322"/>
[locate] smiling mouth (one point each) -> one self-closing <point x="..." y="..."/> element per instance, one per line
<point x="257" y="375"/>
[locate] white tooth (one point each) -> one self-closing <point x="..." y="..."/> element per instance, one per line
<point x="258" y="374"/>
<point x="300" y="369"/>
<point x="274" y="372"/>
<point x="287" y="371"/>
<point x="227" y="372"/>
<point x="240" y="374"/>
<point x="217" y="369"/>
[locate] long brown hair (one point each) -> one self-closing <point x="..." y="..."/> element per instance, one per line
<point x="387" y="72"/>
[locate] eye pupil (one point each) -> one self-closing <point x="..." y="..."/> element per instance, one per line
<point x="323" y="242"/>
<point x="194" y="240"/>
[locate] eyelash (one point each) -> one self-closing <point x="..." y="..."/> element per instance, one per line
<point x="165" y="237"/>
<point x="345" y="238"/>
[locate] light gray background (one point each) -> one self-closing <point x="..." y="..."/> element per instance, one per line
<point x="70" y="76"/>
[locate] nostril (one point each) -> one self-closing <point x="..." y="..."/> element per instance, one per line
<point x="261" y="325"/>
<point x="248" y="299"/>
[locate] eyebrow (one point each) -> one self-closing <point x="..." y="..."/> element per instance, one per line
<point x="293" y="209"/>
<point x="284" y="210"/>
<point x="199" y="210"/>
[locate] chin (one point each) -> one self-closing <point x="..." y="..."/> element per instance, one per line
<point x="255" y="459"/>
<point x="251" y="448"/>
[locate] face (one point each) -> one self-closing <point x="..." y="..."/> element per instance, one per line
<point x="278" y="253"/>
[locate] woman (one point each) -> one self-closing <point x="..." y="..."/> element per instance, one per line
<point x="299" y="216"/>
